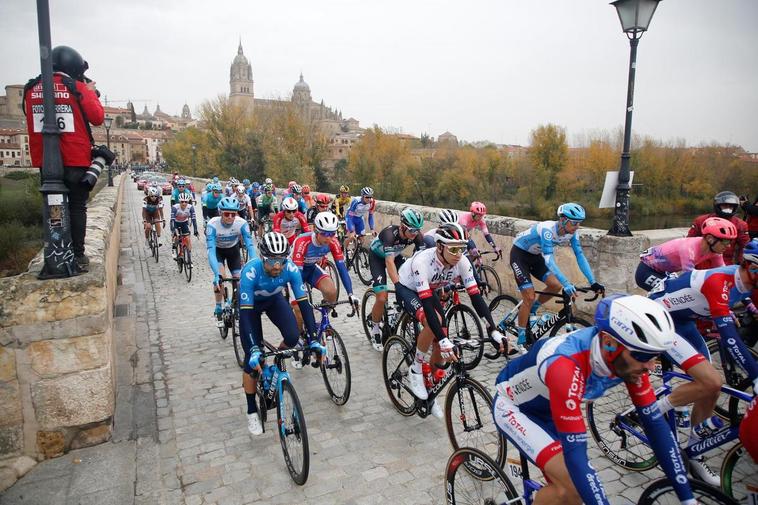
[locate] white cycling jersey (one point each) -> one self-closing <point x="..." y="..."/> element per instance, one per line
<point x="424" y="272"/>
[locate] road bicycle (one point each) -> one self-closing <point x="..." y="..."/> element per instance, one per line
<point x="358" y="258"/>
<point x="275" y="390"/>
<point x="395" y="321"/>
<point x="152" y="239"/>
<point x="489" y="280"/>
<point x="504" y="309"/>
<point x="464" y="322"/>
<point x="183" y="254"/>
<point x="468" y="405"/>
<point x="335" y="365"/>
<point x="230" y="317"/>
<point x="472" y="477"/>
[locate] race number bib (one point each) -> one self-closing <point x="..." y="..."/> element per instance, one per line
<point x="64" y="118"/>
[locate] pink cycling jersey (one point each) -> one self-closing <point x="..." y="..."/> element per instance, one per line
<point x="679" y="255"/>
<point x="466" y="219"/>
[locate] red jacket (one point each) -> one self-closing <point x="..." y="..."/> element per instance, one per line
<point x="74" y="140"/>
<point x="732" y="254"/>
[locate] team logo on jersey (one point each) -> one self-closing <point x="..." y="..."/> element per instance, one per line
<point x="548" y="235"/>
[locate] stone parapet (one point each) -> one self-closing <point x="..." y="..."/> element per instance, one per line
<point x="56" y="349"/>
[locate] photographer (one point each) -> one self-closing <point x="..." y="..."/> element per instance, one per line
<point x="751" y="215"/>
<point x="77" y="105"/>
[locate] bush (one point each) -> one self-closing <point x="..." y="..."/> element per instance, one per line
<point x="18" y="245"/>
<point x="20" y="176"/>
<point x="22" y="205"/>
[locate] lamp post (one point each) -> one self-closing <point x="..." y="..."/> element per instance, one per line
<point x="194" y="159"/>
<point x="108" y="122"/>
<point x="635" y="16"/>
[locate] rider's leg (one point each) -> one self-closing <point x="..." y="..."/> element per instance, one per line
<point x="327" y="288"/>
<point x="378" y="309"/>
<point x="560" y="489"/>
<point x="553" y="286"/>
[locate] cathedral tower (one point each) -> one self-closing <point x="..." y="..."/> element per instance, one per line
<point x="241" y="81"/>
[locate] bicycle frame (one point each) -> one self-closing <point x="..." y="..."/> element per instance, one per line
<point x="274" y="385"/>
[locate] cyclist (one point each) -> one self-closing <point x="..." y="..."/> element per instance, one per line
<point x="181" y="188"/>
<point x="267" y="206"/>
<point x="532" y="254"/>
<point x="685" y="254"/>
<point x="419" y="277"/>
<point x="475" y="219"/>
<point x="211" y="200"/>
<point x="538" y="401"/>
<point x="358" y="209"/>
<point x="342" y="201"/>
<point x="231" y="186"/>
<point x="385" y="258"/>
<point x="246" y="206"/>
<point x="296" y="193"/>
<point x="443" y="216"/>
<point x="725" y="205"/>
<point x="263" y="280"/>
<point x="222" y="237"/>
<point x="152" y="211"/>
<point x="290" y="221"/>
<point x="255" y="190"/>
<point x="181" y="215"/>
<point x="307" y="198"/>
<point x="321" y="205"/>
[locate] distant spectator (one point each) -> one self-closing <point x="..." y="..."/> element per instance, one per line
<point x="725" y="205"/>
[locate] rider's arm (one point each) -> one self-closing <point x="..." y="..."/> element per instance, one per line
<point x="581" y="259"/>
<point x="662" y="439"/>
<point x="248" y="240"/>
<point x="277" y="222"/>
<point x="173" y="219"/>
<point x="389" y="264"/>
<point x="299" y="293"/>
<point x="339" y="261"/>
<point x="371" y="215"/>
<point x="210" y="242"/>
<point x="303" y="222"/>
<point x="246" y="296"/>
<point x="193" y="218"/>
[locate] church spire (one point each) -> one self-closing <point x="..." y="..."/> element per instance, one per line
<point x="239" y="49"/>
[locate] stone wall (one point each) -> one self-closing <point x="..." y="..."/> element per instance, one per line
<point x="56" y="366"/>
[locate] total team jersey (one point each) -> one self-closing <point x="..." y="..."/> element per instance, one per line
<point x="424" y="273"/>
<point x="306" y="253"/>
<point x="390" y="243"/>
<point x="257" y="286"/>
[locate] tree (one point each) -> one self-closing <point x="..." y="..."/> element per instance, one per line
<point x="549" y="153"/>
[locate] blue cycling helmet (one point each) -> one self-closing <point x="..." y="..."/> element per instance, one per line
<point x="573" y="211"/>
<point x="215" y="179"/>
<point x="256" y="184"/>
<point x="216" y="187"/>
<point x="246" y="182"/>
<point x="750" y="252"/>
<point x="640" y="324"/>
<point x="229" y="203"/>
<point x="181" y="182"/>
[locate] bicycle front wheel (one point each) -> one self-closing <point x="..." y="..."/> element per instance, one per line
<point x="239" y="352"/>
<point x="335" y="367"/>
<point x="463" y="323"/>
<point x="331" y="269"/>
<point x="738" y="474"/>
<point x="397" y="358"/>
<point x="360" y="262"/>
<point x="469" y="422"/>
<point x="292" y="433"/>
<point x="473" y="478"/>
<point x="662" y="492"/>
<point x="564" y="326"/>
<point x="490" y="280"/>
<point x="367" y="304"/>
<point x="187" y="260"/>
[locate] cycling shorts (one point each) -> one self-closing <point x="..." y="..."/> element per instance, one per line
<point x="356" y="224"/>
<point x="647" y="278"/>
<point x="525" y="264"/>
<point x="313" y="274"/>
<point x="279" y="312"/>
<point x="378" y="268"/>
<point x="151" y="216"/>
<point x="687" y="329"/>
<point x="232" y="257"/>
<point x="410" y="301"/>
<point x="182" y="228"/>
<point x="532" y="435"/>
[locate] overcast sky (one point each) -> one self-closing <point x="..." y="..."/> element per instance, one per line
<point x="481" y="69"/>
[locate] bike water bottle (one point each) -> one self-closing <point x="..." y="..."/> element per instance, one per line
<point x="268" y="370"/>
<point x="532" y="320"/>
<point x="426" y="370"/>
<point x="682" y="416"/>
<point x="391" y="314"/>
<point x="438" y="375"/>
<point x="708" y="427"/>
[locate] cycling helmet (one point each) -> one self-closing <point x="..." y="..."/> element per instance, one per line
<point x="344" y="189"/>
<point x="229" y="203"/>
<point x="478" y="208"/>
<point x="750" y="252"/>
<point x="181" y="182"/>
<point x="638" y="323"/>
<point x="411" y="218"/>
<point x="274" y="244"/>
<point x="451" y="234"/>
<point x="326" y="221"/>
<point x="573" y="211"/>
<point x="291" y="183"/>
<point x="720" y="228"/>
<point x="215" y="179"/>
<point x="208" y="187"/>
<point x="367" y="191"/>
<point x="289" y="203"/>
<point x="268" y="180"/>
<point x="68" y="60"/>
<point x="256" y="184"/>
<point x="153" y="191"/>
<point x="296" y="189"/>
<point x="246" y="182"/>
<point x="323" y="199"/>
<point x="306" y="189"/>
<point x="725" y="198"/>
<point x="240" y="189"/>
<point x="185" y="197"/>
<point x="268" y="187"/>
<point x="447" y="216"/>
<point x="216" y="187"/>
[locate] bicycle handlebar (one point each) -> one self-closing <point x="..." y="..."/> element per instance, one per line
<point x="498" y="255"/>
<point x="331" y="305"/>
<point x="583" y="289"/>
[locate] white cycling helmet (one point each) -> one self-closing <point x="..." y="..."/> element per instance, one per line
<point x="240" y="188"/>
<point x="274" y="243"/>
<point x="367" y="191"/>
<point x="185" y="197"/>
<point x="451" y="234"/>
<point x="447" y="216"/>
<point x="289" y="203"/>
<point x="326" y="221"/>
<point x="153" y="191"/>
<point x="640" y="324"/>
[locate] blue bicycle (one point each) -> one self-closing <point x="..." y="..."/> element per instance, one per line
<point x="275" y="390"/>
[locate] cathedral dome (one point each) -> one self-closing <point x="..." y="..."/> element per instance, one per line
<point x="301" y="85"/>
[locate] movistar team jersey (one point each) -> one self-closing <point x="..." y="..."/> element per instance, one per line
<point x="256" y="285"/>
<point x="390" y="243"/>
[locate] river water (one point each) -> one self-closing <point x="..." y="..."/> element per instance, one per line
<point x="638" y="223"/>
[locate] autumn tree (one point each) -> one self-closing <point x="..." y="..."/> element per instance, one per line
<point x="548" y="153"/>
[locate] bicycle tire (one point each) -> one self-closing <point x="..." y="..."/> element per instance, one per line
<point x="239" y="352"/>
<point x="462" y="322"/>
<point x="471" y="477"/>
<point x="187" y="264"/>
<point x="734" y="479"/>
<point x="293" y="429"/>
<point x="397" y="358"/>
<point x="473" y="404"/>
<point x="180" y="259"/>
<point x="576" y="323"/>
<point x="488" y="275"/>
<point x="262" y="406"/>
<point x="224" y="330"/>
<point x="361" y="265"/>
<point x="656" y="493"/>
<point x="500" y="307"/>
<point x="408" y="329"/>
<point x="336" y="364"/>
<point x="334" y="274"/>
<point x="737" y="407"/>
<point x="365" y="312"/>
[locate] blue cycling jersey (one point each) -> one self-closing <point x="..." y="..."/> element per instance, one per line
<point x="211" y="201"/>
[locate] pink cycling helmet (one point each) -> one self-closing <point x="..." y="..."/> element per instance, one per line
<point x="478" y="208"/>
<point x="720" y="228"/>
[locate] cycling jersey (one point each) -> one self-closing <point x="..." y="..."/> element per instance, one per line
<point x="175" y="194"/>
<point x="244" y="201"/>
<point x="357" y="210"/>
<point x="183" y="216"/>
<point x="306" y="254"/>
<point x="289" y="227"/>
<point x="681" y="254"/>
<point x="266" y="205"/>
<point x="538" y="407"/>
<point x="151" y="204"/>
<point x="217" y="235"/>
<point x="466" y="219"/>
<point x="708" y="294"/>
<point x="340" y="205"/>
<point x="389" y="242"/>
<point x="733" y="253"/>
<point x="211" y="201"/>
<point x="424" y="272"/>
<point x="542" y="237"/>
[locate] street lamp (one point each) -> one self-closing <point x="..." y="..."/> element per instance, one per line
<point x="108" y="122"/>
<point x="194" y="159"/>
<point x="635" y="16"/>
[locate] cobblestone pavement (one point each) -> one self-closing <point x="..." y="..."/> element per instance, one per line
<point x="361" y="453"/>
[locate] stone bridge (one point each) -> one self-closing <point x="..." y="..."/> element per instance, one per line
<point x="118" y="383"/>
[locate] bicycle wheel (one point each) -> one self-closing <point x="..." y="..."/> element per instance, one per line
<point x="408" y="329"/>
<point x="180" y="259"/>
<point x="367" y="304"/>
<point x="469" y="422"/>
<point x="224" y="329"/>
<point x="739" y="475"/>
<point x="360" y="262"/>
<point x="334" y="274"/>
<point x="292" y="433"/>
<point x="187" y="260"/>
<point x="662" y="491"/>
<point x="239" y="352"/>
<point x="462" y="322"/>
<point x="472" y="477"/>
<point x="504" y="313"/>
<point x="155" y="245"/>
<point x="563" y="327"/>
<point x="396" y="361"/>
<point x="491" y="282"/>
<point x="335" y="367"/>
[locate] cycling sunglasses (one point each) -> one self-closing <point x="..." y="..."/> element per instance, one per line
<point x="327" y="233"/>
<point x="573" y="222"/>
<point x="412" y="231"/>
<point x="289" y="211"/>
<point x="228" y="214"/>
<point x="643" y="357"/>
<point x="456" y="250"/>
<point x="753" y="269"/>
<point x="275" y="261"/>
